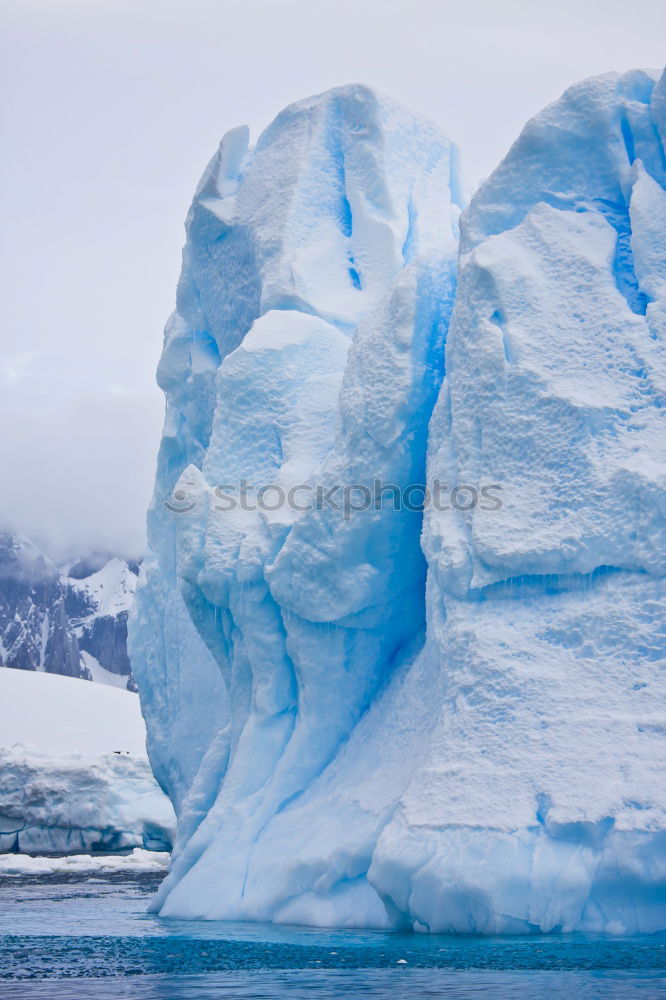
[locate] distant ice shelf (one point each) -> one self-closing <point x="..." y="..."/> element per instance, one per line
<point x="137" y="860"/>
<point x="74" y="775"/>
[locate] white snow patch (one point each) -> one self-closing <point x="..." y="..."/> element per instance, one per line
<point x="99" y="673"/>
<point x="137" y="860"/>
<point x="111" y="588"/>
<point x="54" y="713"/>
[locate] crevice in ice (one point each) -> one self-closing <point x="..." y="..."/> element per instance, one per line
<point x="659" y="146"/>
<point x="544" y="804"/>
<point x="334" y="134"/>
<point x="409" y="241"/>
<point x="458" y="196"/>
<point x="617" y="215"/>
<point x="498" y="320"/>
<point x="292" y="302"/>
<point x="588" y="833"/>
<point x="354" y="275"/>
<point x="536" y="584"/>
<point x="344" y="216"/>
<point x="399" y="919"/>
<point x="628" y="139"/>
<point x="205" y="787"/>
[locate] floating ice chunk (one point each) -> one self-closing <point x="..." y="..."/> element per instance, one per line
<point x="137" y="860"/>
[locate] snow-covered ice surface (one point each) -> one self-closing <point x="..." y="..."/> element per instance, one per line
<point x="365" y="725"/>
<point x="137" y="860"/>
<point x="74" y="775"/>
<point x="51" y="713"/>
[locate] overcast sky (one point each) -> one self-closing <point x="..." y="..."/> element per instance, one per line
<point x="110" y="111"/>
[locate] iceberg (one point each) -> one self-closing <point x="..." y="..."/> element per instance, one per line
<point x="73" y="771"/>
<point x="66" y="803"/>
<point x="137" y="861"/>
<point x="368" y="711"/>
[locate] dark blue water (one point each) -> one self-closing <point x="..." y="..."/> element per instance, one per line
<point x="77" y="937"/>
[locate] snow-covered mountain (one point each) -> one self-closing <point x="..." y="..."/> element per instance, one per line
<point x="68" y="620"/>
<point x="370" y="715"/>
<point x="35" y="633"/>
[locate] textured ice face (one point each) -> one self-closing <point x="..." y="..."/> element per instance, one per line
<point x="548" y="615"/>
<point x="360" y="723"/>
<point x="307" y="348"/>
<point x="556" y="349"/>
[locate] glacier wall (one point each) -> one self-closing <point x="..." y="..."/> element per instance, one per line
<point x="451" y="722"/>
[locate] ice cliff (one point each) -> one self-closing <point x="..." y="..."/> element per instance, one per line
<point x="450" y="721"/>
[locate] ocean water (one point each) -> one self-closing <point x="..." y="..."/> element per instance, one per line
<point x="73" y="937"/>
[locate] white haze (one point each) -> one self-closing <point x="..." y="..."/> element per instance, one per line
<point x="110" y="111"/>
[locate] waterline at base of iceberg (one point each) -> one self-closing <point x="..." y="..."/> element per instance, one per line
<point x="82" y="937"/>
